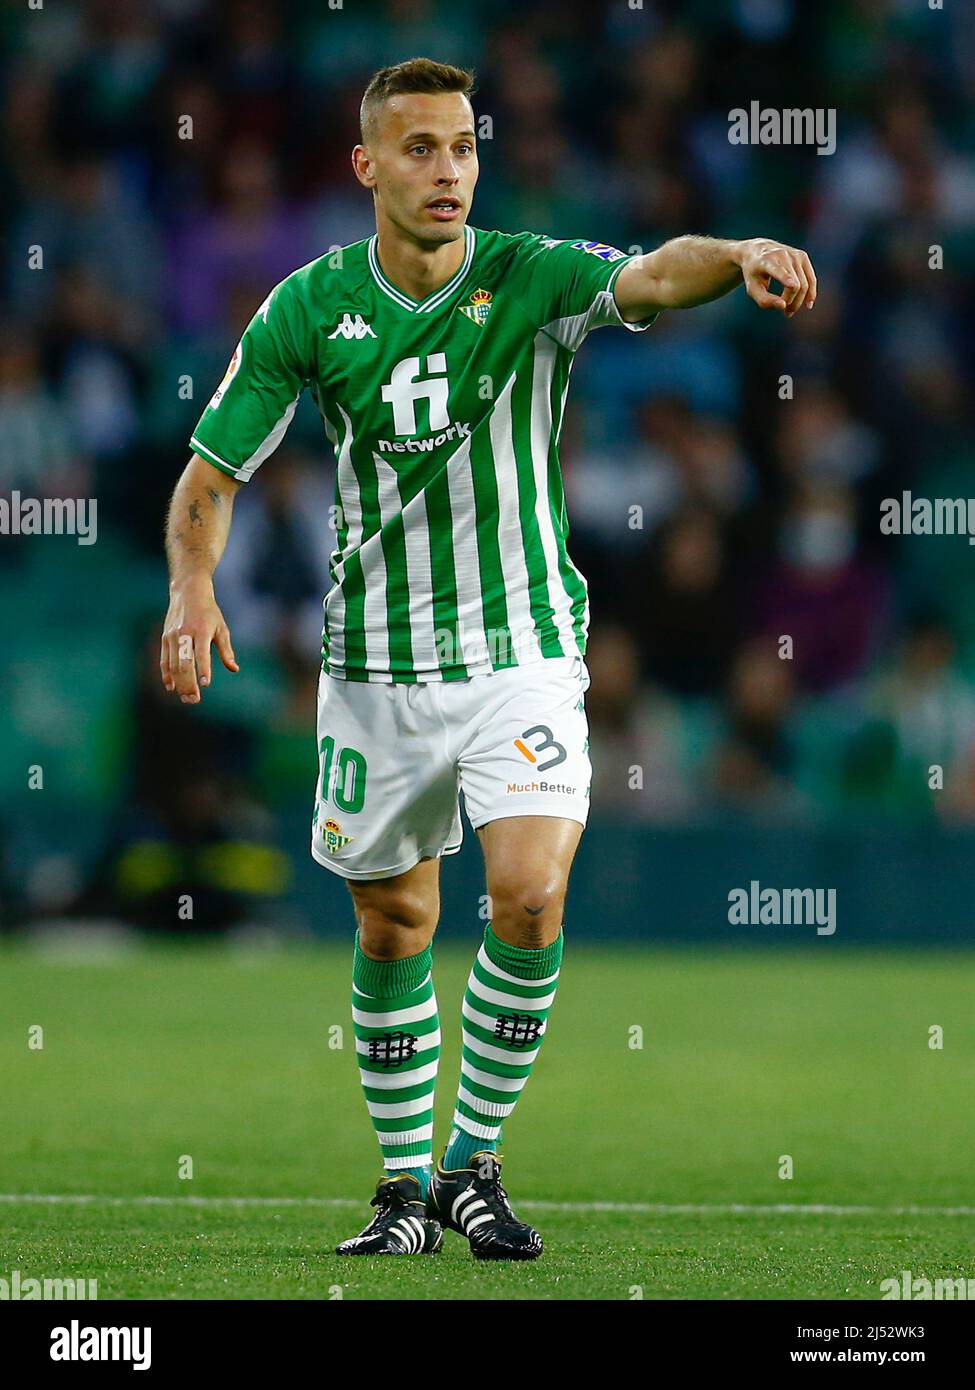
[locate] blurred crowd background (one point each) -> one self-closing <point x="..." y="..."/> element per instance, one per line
<point x="758" y="516"/>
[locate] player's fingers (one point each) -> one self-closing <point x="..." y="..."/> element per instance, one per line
<point x="777" y="265"/>
<point x="807" y="265"/>
<point x="165" y="671"/>
<point x="763" y="296"/>
<point x="798" y="297"/>
<point x="203" y="669"/>
<point x="172" y="654"/>
<point x="185" y="667"/>
<point x="225" y="647"/>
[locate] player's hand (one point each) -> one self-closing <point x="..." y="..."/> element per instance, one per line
<point x="763" y="260"/>
<point x="193" y="623"/>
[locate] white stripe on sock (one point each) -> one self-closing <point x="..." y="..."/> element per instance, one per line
<point x="512" y="1057"/>
<point x="489" y="1108"/>
<point x="479" y="1131"/>
<point x="489" y="965"/>
<point x="406" y="1136"/>
<point x="399" y="1109"/>
<point x="396" y="1018"/>
<point x="397" y="1081"/>
<point x="517" y="1002"/>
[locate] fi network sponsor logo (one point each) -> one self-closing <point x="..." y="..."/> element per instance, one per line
<point x="756" y="906"/>
<point x="77" y="1343"/>
<point x="460" y="429"/>
<point x="20" y="1289"/>
<point x="920" y="1289"/>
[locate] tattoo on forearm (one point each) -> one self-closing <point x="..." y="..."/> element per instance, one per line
<point x="194" y="536"/>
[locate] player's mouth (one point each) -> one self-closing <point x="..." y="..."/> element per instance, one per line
<point x="445" y="209"/>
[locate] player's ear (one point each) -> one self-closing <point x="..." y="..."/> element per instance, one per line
<point x="362" y="167"/>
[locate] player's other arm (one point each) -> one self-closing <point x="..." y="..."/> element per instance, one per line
<point x="197" y="528"/>
<point x="692" y="270"/>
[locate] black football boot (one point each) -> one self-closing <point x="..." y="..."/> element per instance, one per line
<point x="472" y="1201"/>
<point x="401" y="1226"/>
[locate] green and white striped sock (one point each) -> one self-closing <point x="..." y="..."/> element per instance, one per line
<point x="397" y="1039"/>
<point x="506" y="1006"/>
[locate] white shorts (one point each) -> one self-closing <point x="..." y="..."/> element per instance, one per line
<point x="393" y="758"/>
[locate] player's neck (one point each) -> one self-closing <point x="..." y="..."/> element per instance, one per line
<point x="417" y="270"/>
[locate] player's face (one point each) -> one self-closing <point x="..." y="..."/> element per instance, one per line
<point x="423" y="158"/>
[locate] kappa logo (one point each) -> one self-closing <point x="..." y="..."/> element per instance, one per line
<point x="352" y="327"/>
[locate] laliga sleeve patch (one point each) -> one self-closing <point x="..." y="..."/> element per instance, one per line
<point x="233" y="367"/>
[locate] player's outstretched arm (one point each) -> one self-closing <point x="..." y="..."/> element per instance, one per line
<point x="692" y="270"/>
<point x="197" y="528"/>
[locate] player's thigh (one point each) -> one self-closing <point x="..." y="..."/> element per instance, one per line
<point x="387" y="794"/>
<point x="527" y="752"/>
<point x="526" y="775"/>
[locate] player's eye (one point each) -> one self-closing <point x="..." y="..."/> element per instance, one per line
<point x="465" y="148"/>
<point x="421" y="148"/>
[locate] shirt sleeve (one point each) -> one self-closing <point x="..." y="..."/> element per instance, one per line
<point x="569" y="288"/>
<point x="249" y="413"/>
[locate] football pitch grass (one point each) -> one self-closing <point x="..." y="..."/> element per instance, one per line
<point x="650" y="1170"/>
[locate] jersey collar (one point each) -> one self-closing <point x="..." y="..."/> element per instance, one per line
<point x="432" y="301"/>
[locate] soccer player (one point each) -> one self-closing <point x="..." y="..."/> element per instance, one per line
<point x="455" y="629"/>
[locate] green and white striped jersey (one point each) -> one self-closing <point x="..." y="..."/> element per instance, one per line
<point x="445" y="416"/>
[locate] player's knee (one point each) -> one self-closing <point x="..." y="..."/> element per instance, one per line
<point x="527" y="908"/>
<point x="394" y="920"/>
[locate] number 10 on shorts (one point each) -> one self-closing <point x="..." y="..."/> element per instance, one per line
<point x="349" y="790"/>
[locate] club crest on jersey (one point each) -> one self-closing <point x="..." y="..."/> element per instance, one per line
<point x="599" y="249"/>
<point x="333" y="838"/>
<point x="352" y="327"/>
<point x="479" y="308"/>
<point x="233" y="367"/>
